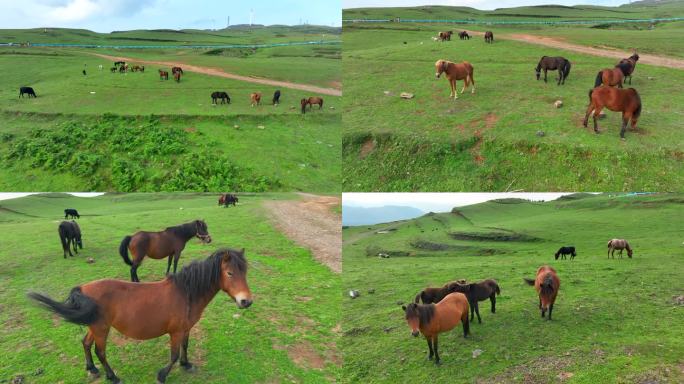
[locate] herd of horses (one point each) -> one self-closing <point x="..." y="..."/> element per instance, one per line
<point x="440" y="309"/>
<point x="149" y="310"/>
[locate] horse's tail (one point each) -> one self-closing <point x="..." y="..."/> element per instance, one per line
<point x="599" y="80"/>
<point x="123" y="250"/>
<point x="591" y="91"/>
<point x="566" y="69"/>
<point x="77" y="308"/>
<point x="497" y="289"/>
<point x="418" y="296"/>
<point x="637" y="111"/>
<point x="528" y="281"/>
<point x="62" y="237"/>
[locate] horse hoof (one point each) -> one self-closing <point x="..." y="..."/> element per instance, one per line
<point x="93" y="375"/>
<point x="189" y="368"/>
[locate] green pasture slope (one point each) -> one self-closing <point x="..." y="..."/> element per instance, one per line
<point x="280" y="337"/>
<point x="271" y="148"/>
<point x="489" y="140"/>
<point x="614" y="321"/>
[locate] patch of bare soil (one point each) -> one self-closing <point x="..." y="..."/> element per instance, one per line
<point x="367" y="148"/>
<point x="305" y="356"/>
<point x="311" y="223"/>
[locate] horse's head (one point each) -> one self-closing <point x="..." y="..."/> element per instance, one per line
<point x="537" y="69"/>
<point x="629" y="252"/>
<point x="440" y="67"/>
<point x="458" y="287"/>
<point x="412" y="318"/>
<point x="202" y="232"/>
<point x="234" y="277"/>
<point x="304" y="102"/>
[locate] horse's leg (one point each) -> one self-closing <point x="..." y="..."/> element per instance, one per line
<point x="429" y="341"/>
<point x="492" y="298"/>
<point x="69" y="243"/>
<point x="88" y="341"/>
<point x="597" y="112"/>
<point x="175" y="261"/>
<point x="472" y="83"/>
<point x="545" y="74"/>
<point x="101" y="352"/>
<point x="465" y="84"/>
<point x="168" y="267"/>
<point x="454" y="88"/>
<point x="184" y="353"/>
<point x="472" y="309"/>
<point x="477" y="311"/>
<point x="73" y="243"/>
<point x="560" y="75"/>
<point x="625" y="120"/>
<point x="590" y="109"/>
<point x="434" y="346"/>
<point x="176" y="339"/>
<point x="550" y="310"/>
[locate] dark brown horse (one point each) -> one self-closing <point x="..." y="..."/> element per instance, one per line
<point x="177" y="69"/>
<point x="464" y="35"/>
<point x="310" y="102"/>
<point x="149" y="310"/>
<point x="626" y="101"/>
<point x="554" y="63"/>
<point x="226" y="199"/>
<point x="485" y="289"/>
<point x="70" y="236"/>
<point x="547" y="285"/>
<point x="610" y="77"/>
<point x="628" y="65"/>
<point x="158" y="245"/>
<point x="455" y="71"/>
<point x="431" y="295"/>
<point x="433" y="319"/>
<point x="489" y="37"/>
<point x="444" y="36"/>
<point x="163" y="75"/>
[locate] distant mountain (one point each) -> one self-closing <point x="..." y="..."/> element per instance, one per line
<point x="352" y="216"/>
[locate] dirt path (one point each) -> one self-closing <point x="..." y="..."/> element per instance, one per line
<point x="644" y="58"/>
<point x="221" y="73"/>
<point x="311" y="223"/>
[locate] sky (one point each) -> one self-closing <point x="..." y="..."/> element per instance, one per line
<point x="119" y="15"/>
<point x="437" y="202"/>
<point x="478" y="4"/>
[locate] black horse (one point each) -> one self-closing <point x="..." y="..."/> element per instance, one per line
<point x="220" y="95"/>
<point x="489" y="37"/>
<point x="231" y="199"/>
<point x="117" y="63"/>
<point x="563" y="251"/>
<point x="70" y="235"/>
<point x="276" y="97"/>
<point x="464" y="35"/>
<point x="554" y="63"/>
<point x="27" y="90"/>
<point x="71" y="212"/>
<point x="485" y="289"/>
<point x="628" y="65"/>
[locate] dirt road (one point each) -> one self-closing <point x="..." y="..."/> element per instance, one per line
<point x="221" y="73"/>
<point x="311" y="224"/>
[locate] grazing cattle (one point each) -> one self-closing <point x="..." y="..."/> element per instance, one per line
<point x="255" y="98"/>
<point x="563" y="251"/>
<point x="146" y="311"/>
<point x="163" y="75"/>
<point x="433" y="319"/>
<point x="475" y="292"/>
<point x="547" y="285"/>
<point x="489" y="37"/>
<point x="226" y="199"/>
<point x="454" y="71"/>
<point x="27" y="90"/>
<point x="620" y="245"/>
<point x="553" y="63"/>
<point x="626" y="101"/>
<point x="628" y="65"/>
<point x="220" y="95"/>
<point x="464" y="35"/>
<point x="177" y="76"/>
<point x="276" y="97"/>
<point x="610" y="76"/>
<point x="71" y="212"/>
<point x="310" y="102"/>
<point x="70" y="236"/>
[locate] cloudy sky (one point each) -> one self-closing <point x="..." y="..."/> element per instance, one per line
<point x="479" y="4"/>
<point x="436" y="202"/>
<point x="110" y="15"/>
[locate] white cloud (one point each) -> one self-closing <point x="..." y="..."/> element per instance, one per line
<point x="76" y="10"/>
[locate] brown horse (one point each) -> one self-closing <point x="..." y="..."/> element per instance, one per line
<point x="620" y="245"/>
<point x="177" y="69"/>
<point x="149" y="310"/>
<point x="444" y="36"/>
<point x="255" y="98"/>
<point x="547" y="285"/>
<point x="626" y="101"/>
<point x="454" y="71"/>
<point x="433" y="319"/>
<point x="489" y="37"/>
<point x="628" y="65"/>
<point x="432" y="295"/>
<point x="310" y="102"/>
<point x="158" y="245"/>
<point x="610" y="77"/>
<point x="177" y="76"/>
<point x="485" y="289"/>
<point x="163" y="75"/>
<point x="226" y="199"/>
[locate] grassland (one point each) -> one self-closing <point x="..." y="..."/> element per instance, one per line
<point x="489" y="140"/>
<point x="614" y="320"/>
<point x="281" y="337"/>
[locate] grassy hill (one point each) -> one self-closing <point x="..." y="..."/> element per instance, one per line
<point x="613" y="319"/>
<point x="280" y="336"/>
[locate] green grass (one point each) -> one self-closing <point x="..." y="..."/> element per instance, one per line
<point x="249" y="349"/>
<point x="488" y="140"/>
<point x="614" y="320"/>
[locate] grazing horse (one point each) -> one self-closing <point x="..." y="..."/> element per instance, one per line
<point x="147" y="311"/>
<point x="71" y="212"/>
<point x="28" y="90"/>
<point x="628" y="65"/>
<point x="620" y="245"/>
<point x="227" y="199"/>
<point x="553" y="63"/>
<point x="177" y="76"/>
<point x="117" y="63"/>
<point x="310" y="102"/>
<point x="486" y="289"/>
<point x="255" y="98"/>
<point x="626" y="101"/>
<point x="464" y="35"/>
<point x="69" y="235"/>
<point x="563" y="251"/>
<point x="547" y="285"/>
<point x="454" y="71"/>
<point x="220" y="95"/>
<point x="610" y="77"/>
<point x="158" y="245"/>
<point x="489" y="37"/>
<point x="276" y="97"/>
<point x="177" y="69"/>
<point x="163" y="75"/>
<point x="433" y="319"/>
<point x="444" y="36"/>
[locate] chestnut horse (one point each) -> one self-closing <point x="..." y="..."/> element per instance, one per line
<point x="489" y="37"/>
<point x="443" y="36"/>
<point x="163" y="75"/>
<point x="626" y="101"/>
<point x="620" y="245"/>
<point x="177" y="76"/>
<point x="158" y="245"/>
<point x="610" y="77"/>
<point x="454" y="71"/>
<point x="485" y="289"/>
<point x="310" y="102"/>
<point x="149" y="310"/>
<point x="547" y="285"/>
<point x="177" y="69"/>
<point x="628" y="65"/>
<point x="255" y="98"/>
<point x="433" y="319"/>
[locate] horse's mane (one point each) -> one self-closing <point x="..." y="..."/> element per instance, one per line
<point x="186" y="230"/>
<point x="201" y="276"/>
<point x="425" y="312"/>
<point x="547" y="286"/>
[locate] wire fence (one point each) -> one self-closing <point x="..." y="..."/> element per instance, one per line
<point x="513" y="22"/>
<point x="190" y="46"/>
